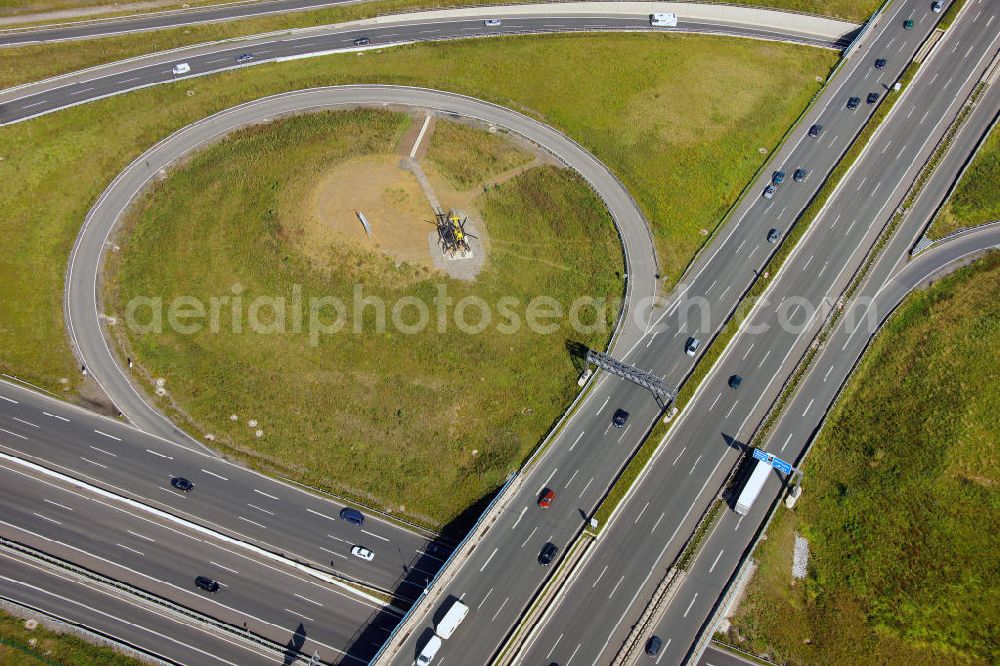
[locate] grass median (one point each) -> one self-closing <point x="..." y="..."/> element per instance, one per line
<point x="26" y="643"/>
<point x="901" y="504"/>
<point x="976" y="199"/>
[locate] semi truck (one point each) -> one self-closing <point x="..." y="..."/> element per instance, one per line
<point x="752" y="487"/>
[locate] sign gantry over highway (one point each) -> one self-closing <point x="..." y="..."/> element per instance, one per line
<point x="773" y="460"/>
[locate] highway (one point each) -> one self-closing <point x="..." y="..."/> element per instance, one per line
<point x="502" y="574"/>
<point x="677" y="487"/>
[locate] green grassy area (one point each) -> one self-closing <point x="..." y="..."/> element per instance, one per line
<point x="677" y="117"/>
<point x="949" y="15"/>
<point x="901" y="504"/>
<point x="976" y="198"/>
<point x="420" y="423"/>
<point x="20" y="646"/>
<point x="467" y="157"/>
<point x="34" y="62"/>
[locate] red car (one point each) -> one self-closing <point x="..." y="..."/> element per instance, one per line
<point x="545" y="501"/>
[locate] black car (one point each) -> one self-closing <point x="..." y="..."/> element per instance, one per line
<point x="548" y="554"/>
<point x="815" y="131"/>
<point x="244" y="58"/>
<point x="772" y="236"/>
<point x="620" y="418"/>
<point x="853" y="102"/>
<point x="880" y="63"/>
<point x="434" y="549"/>
<point x="735" y="381"/>
<point x="180" y="483"/>
<point x="800" y="175"/>
<point x="653" y="646"/>
<point x="872" y="98"/>
<point x="361" y="41"/>
<point x="207" y="584"/>
<point x="352" y="516"/>
<point x="778" y="177"/>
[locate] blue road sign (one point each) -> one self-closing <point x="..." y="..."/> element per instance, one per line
<point x="781" y="466"/>
<point x="759" y="455"/>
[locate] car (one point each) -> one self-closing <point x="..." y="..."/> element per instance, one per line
<point x="735" y="381"/>
<point x="429" y="650"/>
<point x="362" y="41"/>
<point x="493" y="23"/>
<point x="352" y="516"/>
<point x="772" y="236"/>
<point x="244" y="58"/>
<point x="872" y="97"/>
<point x="908" y="24"/>
<point x="653" y="646"/>
<point x="691" y="346"/>
<point x="777" y="178"/>
<point x="769" y="191"/>
<point x="545" y="500"/>
<point x="936" y="6"/>
<point x="435" y="549"/>
<point x="879" y="63"/>
<point x="815" y="131"/>
<point x="180" y="483"/>
<point x="549" y="551"/>
<point x="181" y="68"/>
<point x="800" y="175"/>
<point x="853" y="102"/>
<point x="207" y="584"/>
<point x="620" y="418"/>
<point x="363" y="553"/>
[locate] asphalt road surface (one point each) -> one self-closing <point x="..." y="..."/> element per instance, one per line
<point x="654" y="523"/>
<point x="502" y="574"/>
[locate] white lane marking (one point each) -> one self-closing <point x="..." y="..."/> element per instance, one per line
<point x="827" y="373"/>
<point x="524" y="543"/>
<point x="317" y="513"/>
<point x="731" y="408"/>
<point x="808" y="406"/>
<point x="640" y="513"/>
<point x="500" y="609"/>
<point x="92" y="462"/>
<point x="623" y="433"/>
<point x="603" y="405"/>
<point x="117" y="439"/>
<point x="657" y="523"/>
<point x="571" y="479"/>
<point x="555" y="644"/>
<point x="61" y="506"/>
<point x="741" y="246"/>
<point x="484" y="599"/>
<point x="335" y="538"/>
<point x="748" y="351"/>
<point x="161" y="455"/>
<point x="254" y="506"/>
<point x="680" y="454"/>
<point x="141" y="536"/>
<point x="28" y="106"/>
<point x="717" y="558"/>
<point x="519" y="517"/>
<point x="807" y="262"/>
<point x="615" y="588"/>
<point x="862" y="183"/>
<point x="218" y="476"/>
<point x="599" y="576"/>
<point x="372" y="534"/>
<point x="56" y="416"/>
<point x="787" y="439"/>
<point x="577" y="441"/>
<point x="27" y="423"/>
<point x="694" y="465"/>
<point x="726" y="291"/>
<point x="585" y="487"/>
<point x="761" y="364"/>
<point x="137" y="552"/>
<point x="886" y="146"/>
<point x="252" y="522"/>
<point x="901" y="151"/>
<point x="753" y="251"/>
<point x="12" y="433"/>
<point x="924" y="117"/>
<point x="134" y="78"/>
<point x="344" y="557"/>
<point x="825" y="264"/>
<point x="851" y="226"/>
<point x="107" y="453"/>
<point x="224" y="567"/>
<point x="651" y="338"/>
<point x="210" y="62"/>
<point x="710" y="287"/>
<point x="715" y="401"/>
<point x="690" y="604"/>
<point x="298" y="614"/>
<point x="307" y="599"/>
<point x="549" y="479"/>
<point x="261" y="492"/>
<point x="574" y="653"/>
<point x="47" y="518"/>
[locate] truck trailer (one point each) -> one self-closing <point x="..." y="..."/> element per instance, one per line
<point x="752" y="487"/>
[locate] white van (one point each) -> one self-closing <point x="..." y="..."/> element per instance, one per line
<point x="449" y="623"/>
<point x="430" y="650"/>
<point x="663" y="20"/>
<point x="181" y="68"/>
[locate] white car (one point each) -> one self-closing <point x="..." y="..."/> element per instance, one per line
<point x="181" y="68"/>
<point x="363" y="553"/>
<point x="936" y="7"/>
<point x="493" y="23"/>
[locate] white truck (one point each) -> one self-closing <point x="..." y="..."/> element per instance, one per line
<point x="752" y="487"/>
<point x="663" y="20"/>
<point x="449" y="623"/>
<point x="430" y="650"/>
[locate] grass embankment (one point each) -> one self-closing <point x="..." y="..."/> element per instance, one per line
<point x="949" y="15"/>
<point x="718" y="345"/>
<point x="976" y="199"/>
<point x="678" y="118"/>
<point x="422" y="422"/>
<point x="901" y="503"/>
<point x="20" y="646"/>
<point x="35" y="62"/>
<point x="468" y="157"/>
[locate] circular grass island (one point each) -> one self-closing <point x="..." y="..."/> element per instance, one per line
<point x="284" y="295"/>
